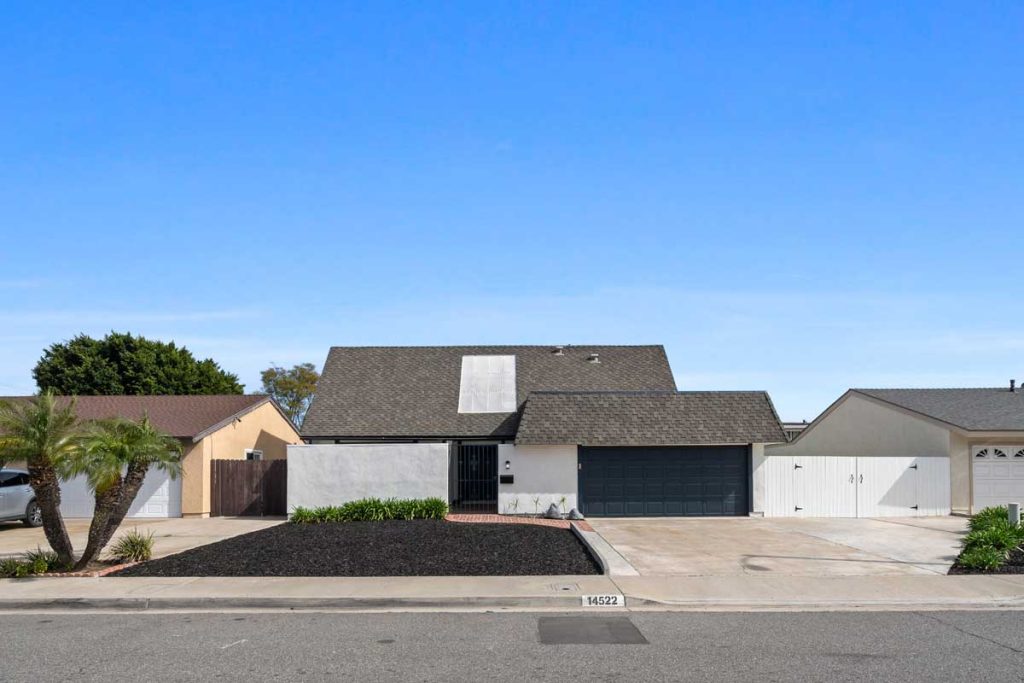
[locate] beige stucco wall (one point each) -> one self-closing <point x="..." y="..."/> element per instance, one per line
<point x="960" y="474"/>
<point x="859" y="427"/>
<point x="263" y="428"/>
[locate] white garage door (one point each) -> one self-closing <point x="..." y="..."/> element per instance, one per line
<point x="998" y="476"/>
<point x="160" y="496"/>
<point x="801" y="486"/>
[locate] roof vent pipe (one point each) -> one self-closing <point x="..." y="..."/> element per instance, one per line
<point x="1013" y="385"/>
<point x="593" y="358"/>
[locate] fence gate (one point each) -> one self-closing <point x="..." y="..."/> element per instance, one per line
<point x="477" y="471"/>
<point x="256" y="488"/>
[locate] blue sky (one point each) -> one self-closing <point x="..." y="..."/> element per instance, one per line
<point x="792" y="197"/>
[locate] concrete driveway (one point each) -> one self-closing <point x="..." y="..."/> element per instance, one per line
<point x="785" y="546"/>
<point x="171" y="535"/>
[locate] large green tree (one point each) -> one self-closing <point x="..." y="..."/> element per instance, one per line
<point x="292" y="389"/>
<point x="115" y="456"/>
<point x="45" y="433"/>
<point x="122" y="363"/>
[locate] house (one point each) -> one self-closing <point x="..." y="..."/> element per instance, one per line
<point x="793" y="429"/>
<point x="517" y="428"/>
<point x="228" y="427"/>
<point x="899" y="452"/>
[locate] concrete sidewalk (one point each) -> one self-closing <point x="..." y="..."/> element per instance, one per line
<point x="515" y="593"/>
<point x="170" y="535"/>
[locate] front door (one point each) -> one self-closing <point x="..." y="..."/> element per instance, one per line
<point x="477" y="471"/>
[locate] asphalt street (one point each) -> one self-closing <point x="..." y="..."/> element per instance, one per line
<point x="814" y="646"/>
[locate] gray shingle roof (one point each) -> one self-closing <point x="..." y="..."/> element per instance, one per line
<point x="380" y="392"/>
<point x="649" y="418"/>
<point x="994" y="409"/>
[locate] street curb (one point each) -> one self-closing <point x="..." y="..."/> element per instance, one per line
<point x="612" y="562"/>
<point x="143" y="604"/>
<point x="590" y="548"/>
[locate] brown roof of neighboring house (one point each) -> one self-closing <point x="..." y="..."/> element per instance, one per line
<point x="184" y="417"/>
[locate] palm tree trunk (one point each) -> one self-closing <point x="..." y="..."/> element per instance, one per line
<point x="105" y="504"/>
<point x="44" y="483"/>
<point x="109" y="514"/>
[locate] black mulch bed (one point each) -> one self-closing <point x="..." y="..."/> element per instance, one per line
<point x="1014" y="565"/>
<point x="401" y="548"/>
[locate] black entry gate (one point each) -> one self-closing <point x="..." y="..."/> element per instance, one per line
<point x="476" y="470"/>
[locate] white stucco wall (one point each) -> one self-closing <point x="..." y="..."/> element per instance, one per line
<point x="758" y="480"/>
<point x="332" y="474"/>
<point x="543" y="472"/>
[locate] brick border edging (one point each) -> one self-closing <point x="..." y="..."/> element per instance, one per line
<point x="95" y="573"/>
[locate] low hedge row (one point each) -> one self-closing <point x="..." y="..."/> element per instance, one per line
<point x="372" y="510"/>
<point x="990" y="540"/>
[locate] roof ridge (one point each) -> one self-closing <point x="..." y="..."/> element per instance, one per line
<point x="501" y="346"/>
<point x="646" y="392"/>
<point x="999" y="388"/>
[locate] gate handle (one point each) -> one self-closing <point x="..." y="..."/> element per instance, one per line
<point x="862" y="479"/>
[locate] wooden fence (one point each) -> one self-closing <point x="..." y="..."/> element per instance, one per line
<point x="255" y="488"/>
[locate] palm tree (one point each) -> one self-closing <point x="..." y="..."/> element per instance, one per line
<point x="115" y="456"/>
<point x="43" y="432"/>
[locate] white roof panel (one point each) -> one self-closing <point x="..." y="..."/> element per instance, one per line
<point x="488" y="384"/>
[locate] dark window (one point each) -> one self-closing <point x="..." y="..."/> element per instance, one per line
<point x="13" y="479"/>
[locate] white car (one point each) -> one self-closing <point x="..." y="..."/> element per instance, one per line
<point x="17" y="499"/>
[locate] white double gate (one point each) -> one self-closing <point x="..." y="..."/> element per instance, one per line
<point x="819" y="486"/>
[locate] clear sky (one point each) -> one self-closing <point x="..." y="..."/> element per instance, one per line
<point x="793" y="197"/>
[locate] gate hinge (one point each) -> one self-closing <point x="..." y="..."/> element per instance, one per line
<point x="797" y="509"/>
<point x="798" y="467"/>
<point x="913" y="507"/>
<point x="914" y="466"/>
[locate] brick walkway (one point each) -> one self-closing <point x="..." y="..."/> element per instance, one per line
<point x="515" y="519"/>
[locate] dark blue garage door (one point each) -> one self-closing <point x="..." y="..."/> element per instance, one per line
<point x="664" y="481"/>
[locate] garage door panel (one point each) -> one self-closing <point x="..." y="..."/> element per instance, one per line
<point x="159" y="497"/>
<point x="997" y="480"/>
<point x="663" y="481"/>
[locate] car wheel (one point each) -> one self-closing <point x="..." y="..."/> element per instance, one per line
<point x="33" y="515"/>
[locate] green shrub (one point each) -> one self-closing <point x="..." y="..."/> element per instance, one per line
<point x="42" y="560"/>
<point x="981" y="557"/>
<point x="33" y="562"/>
<point x="373" y="510"/>
<point x="987" y="517"/>
<point x="9" y="567"/>
<point x="301" y="515"/>
<point x="1002" y="536"/>
<point x="133" y="546"/>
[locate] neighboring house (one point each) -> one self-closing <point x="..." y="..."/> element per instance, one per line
<point x="793" y="429"/>
<point x="896" y="452"/>
<point x="228" y="427"/>
<point x="516" y="428"/>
